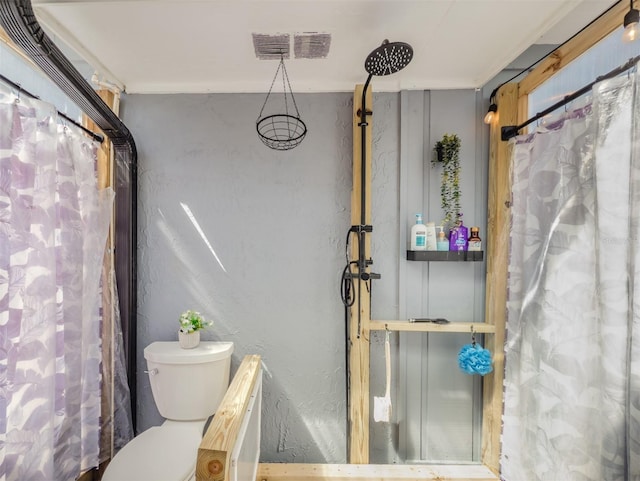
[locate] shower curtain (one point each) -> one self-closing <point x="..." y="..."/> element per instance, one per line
<point x="572" y="353"/>
<point x="53" y="229"/>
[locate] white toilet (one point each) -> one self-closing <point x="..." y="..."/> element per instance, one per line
<point x="187" y="387"/>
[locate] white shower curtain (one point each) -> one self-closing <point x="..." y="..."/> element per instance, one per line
<point x="53" y="229"/>
<point x="572" y="380"/>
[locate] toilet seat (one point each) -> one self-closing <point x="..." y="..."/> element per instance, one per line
<point x="161" y="453"/>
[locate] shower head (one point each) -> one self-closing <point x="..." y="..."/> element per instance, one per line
<point x="388" y="58"/>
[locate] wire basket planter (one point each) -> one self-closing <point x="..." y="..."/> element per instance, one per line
<point x="282" y="131"/>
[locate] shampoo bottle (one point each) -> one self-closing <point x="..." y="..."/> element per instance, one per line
<point x="431" y="237"/>
<point x="442" y="243"/>
<point x="418" y="235"/>
<point x="458" y="239"/>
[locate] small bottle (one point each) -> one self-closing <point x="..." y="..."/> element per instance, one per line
<point x="418" y="235"/>
<point x="431" y="241"/>
<point x="475" y="243"/>
<point x="442" y="242"/>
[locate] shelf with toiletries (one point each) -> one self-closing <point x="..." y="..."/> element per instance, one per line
<point x="454" y="327"/>
<point x="450" y="256"/>
<point x="426" y="245"/>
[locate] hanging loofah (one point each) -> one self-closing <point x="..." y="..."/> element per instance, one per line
<point x="474" y="359"/>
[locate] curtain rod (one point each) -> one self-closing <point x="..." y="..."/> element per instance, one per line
<point x="21" y="89"/>
<point x="510" y="131"/>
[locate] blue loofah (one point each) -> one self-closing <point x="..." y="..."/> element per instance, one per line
<point x="474" y="359"/>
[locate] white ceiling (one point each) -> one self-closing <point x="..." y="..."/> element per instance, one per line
<point x="165" y="46"/>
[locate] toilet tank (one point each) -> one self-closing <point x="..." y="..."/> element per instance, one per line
<point x="188" y="384"/>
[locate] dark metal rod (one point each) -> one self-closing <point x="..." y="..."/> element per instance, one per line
<point x="363" y="152"/>
<point x="510" y="131"/>
<point x="362" y="262"/>
<point x="21" y="89"/>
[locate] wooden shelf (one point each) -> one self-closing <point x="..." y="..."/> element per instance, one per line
<point x="478" y="327"/>
<point x="446" y="256"/>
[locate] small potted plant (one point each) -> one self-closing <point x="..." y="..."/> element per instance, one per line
<point x="191" y="322"/>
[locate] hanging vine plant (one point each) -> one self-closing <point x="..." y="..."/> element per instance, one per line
<point x="447" y="153"/>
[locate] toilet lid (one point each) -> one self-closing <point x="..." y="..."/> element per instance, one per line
<point x="162" y="453"/>
<point x="170" y="352"/>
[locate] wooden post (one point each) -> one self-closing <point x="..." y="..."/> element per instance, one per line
<point x="498" y="223"/>
<point x="104" y="168"/>
<point x="360" y="313"/>
<point x="576" y="46"/>
<point x="214" y="454"/>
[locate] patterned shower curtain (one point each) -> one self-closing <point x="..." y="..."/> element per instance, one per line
<point x="53" y="229"/>
<point x="572" y="380"/>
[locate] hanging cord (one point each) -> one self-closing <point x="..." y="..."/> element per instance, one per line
<point x="346" y="284"/>
<point x="293" y="99"/>
<point x="284" y="75"/>
<point x="22" y="90"/>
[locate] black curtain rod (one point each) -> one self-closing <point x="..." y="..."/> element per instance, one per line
<point x="21" y="89"/>
<point x="510" y="131"/>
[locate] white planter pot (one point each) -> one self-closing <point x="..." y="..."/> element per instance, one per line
<point x="189" y="340"/>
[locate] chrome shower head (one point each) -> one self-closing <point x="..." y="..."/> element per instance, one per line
<point x="388" y="58"/>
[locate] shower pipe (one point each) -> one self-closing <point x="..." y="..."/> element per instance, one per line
<point x="510" y="131"/>
<point x="388" y="58"/>
<point x="19" y="21"/>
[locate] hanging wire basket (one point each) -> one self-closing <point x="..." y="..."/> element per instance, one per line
<point x="281" y="131"/>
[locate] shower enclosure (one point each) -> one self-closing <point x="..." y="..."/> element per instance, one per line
<point x="572" y="380"/>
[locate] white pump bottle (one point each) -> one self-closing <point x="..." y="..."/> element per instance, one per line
<point x="418" y="235"/>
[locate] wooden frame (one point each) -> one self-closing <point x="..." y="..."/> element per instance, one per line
<point x="214" y="454"/>
<point x="512" y="100"/>
<point x="368" y="472"/>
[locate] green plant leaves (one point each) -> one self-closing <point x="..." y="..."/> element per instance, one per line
<point x="447" y="153"/>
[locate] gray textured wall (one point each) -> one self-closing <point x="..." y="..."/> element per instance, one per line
<point x="278" y="222"/>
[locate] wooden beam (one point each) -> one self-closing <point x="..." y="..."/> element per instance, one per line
<point x="368" y="472"/>
<point x="406" y="326"/>
<point x="359" y="313"/>
<point x="104" y="169"/>
<point x="498" y="226"/>
<point x="105" y="156"/>
<point x="575" y="47"/>
<point x="214" y="454"/>
<point x="10" y="43"/>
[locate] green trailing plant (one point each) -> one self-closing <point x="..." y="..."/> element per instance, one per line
<point x="447" y="153"/>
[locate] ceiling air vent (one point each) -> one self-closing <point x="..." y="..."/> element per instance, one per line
<point x="268" y="47"/>
<point x="311" y="45"/>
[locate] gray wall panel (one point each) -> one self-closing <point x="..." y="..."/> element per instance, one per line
<point x="278" y="221"/>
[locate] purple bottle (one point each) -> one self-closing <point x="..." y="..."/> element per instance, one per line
<point x="458" y="237"/>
